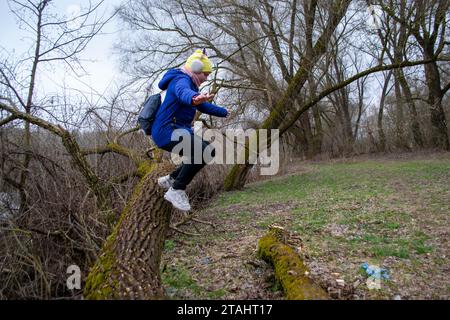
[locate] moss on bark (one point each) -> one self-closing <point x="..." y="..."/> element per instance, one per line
<point x="128" y="265"/>
<point x="289" y="268"/>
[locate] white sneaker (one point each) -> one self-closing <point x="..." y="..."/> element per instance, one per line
<point x="166" y="182"/>
<point x="178" y="198"/>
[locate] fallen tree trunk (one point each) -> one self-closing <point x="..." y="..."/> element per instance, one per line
<point x="128" y="266"/>
<point x="289" y="268"/>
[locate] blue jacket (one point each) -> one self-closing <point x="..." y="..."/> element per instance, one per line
<point x="177" y="111"/>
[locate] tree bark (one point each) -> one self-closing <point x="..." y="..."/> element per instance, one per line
<point x="307" y="132"/>
<point x="382" y="136"/>
<point x="128" y="266"/>
<point x="399" y="113"/>
<point x="290" y="270"/>
<point x="415" y="125"/>
<point x="440" y="136"/>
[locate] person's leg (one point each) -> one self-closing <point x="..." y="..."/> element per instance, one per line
<point x="176" y="172"/>
<point x="169" y="147"/>
<point x="188" y="171"/>
<point x="176" y="193"/>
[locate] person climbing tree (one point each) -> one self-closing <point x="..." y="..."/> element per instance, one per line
<point x="177" y="112"/>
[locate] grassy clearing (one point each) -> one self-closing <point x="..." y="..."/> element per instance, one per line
<point x="394" y="214"/>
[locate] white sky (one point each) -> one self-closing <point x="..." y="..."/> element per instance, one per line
<point x="102" y="71"/>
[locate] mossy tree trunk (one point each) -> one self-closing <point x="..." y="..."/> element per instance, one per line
<point x="238" y="174"/>
<point x="237" y="177"/>
<point x="128" y="266"/>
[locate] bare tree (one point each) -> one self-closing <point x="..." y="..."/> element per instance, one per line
<point x="428" y="24"/>
<point x="384" y="93"/>
<point x="55" y="40"/>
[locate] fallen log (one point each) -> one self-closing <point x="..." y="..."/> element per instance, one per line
<point x="289" y="268"/>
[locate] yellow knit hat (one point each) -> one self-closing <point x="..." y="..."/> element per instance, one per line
<point x="199" y="62"/>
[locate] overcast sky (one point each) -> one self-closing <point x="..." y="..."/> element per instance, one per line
<point x="103" y="71"/>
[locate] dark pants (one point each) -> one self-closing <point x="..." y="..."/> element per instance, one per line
<point x="184" y="174"/>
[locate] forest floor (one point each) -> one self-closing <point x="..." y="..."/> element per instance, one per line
<point x="390" y="212"/>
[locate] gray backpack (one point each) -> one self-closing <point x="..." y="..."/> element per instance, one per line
<point x="148" y="113"/>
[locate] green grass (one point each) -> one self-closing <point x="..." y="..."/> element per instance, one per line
<point x="179" y="284"/>
<point x="380" y="251"/>
<point x="387" y="245"/>
<point x="177" y="277"/>
<point x="392" y="225"/>
<point x="420" y="247"/>
<point x="373" y="199"/>
<point x="345" y="181"/>
<point x="244" y="216"/>
<point x="345" y="212"/>
<point x="216" y="294"/>
<point x="169" y="245"/>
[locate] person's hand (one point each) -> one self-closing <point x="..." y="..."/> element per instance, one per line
<point x="201" y="98"/>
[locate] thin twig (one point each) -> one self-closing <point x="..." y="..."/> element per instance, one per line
<point x="185" y="232"/>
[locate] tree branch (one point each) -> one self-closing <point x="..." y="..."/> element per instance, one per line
<point x="446" y="88"/>
<point x="345" y="83"/>
<point x="7" y="120"/>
